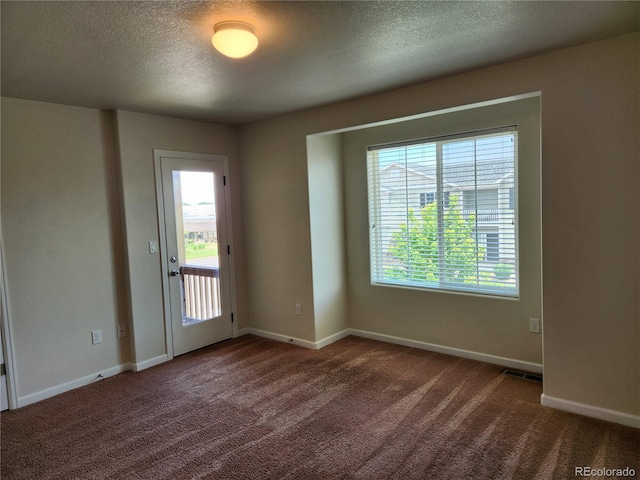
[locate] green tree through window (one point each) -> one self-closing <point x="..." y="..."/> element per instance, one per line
<point x="419" y="253"/>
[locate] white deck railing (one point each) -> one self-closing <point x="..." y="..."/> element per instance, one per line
<point x="482" y="215"/>
<point x="201" y="292"/>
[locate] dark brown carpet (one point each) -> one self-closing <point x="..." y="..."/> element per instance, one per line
<point x="252" y="408"/>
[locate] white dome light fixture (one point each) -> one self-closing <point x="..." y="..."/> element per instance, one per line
<point x="234" y="39"/>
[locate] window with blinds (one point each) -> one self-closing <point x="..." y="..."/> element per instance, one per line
<point x="443" y="213"/>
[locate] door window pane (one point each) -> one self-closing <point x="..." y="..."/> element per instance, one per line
<point x="198" y="259"/>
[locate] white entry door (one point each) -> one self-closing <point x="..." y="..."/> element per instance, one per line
<point x="196" y="259"/>
<point x="4" y="395"/>
<point x="4" y="399"/>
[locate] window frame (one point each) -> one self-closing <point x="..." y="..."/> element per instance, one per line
<point x="443" y="196"/>
<point x="427" y="198"/>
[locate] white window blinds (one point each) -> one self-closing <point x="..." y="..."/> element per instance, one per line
<point x="443" y="213"/>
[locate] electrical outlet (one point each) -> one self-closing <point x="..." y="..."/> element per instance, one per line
<point x="298" y="309"/>
<point x="122" y="331"/>
<point x="534" y="325"/>
<point x="96" y="337"/>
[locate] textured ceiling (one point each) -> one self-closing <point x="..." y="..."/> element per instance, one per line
<point x="156" y="57"/>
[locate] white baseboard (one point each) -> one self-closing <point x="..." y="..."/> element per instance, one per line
<point x="87" y="379"/>
<point x="242" y="331"/>
<point x="296" y="341"/>
<point x="152" y="362"/>
<point x="73" y="384"/>
<point x="282" y="338"/>
<point x="482" y="357"/>
<point x="590" y="411"/>
<point x="457" y="352"/>
<point x="333" y="338"/>
<point x="546" y="400"/>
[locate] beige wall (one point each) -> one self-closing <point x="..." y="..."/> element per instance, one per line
<point x="276" y="228"/>
<point x="62" y="242"/>
<point x="328" y="249"/>
<point x="590" y="191"/>
<point x="493" y="326"/>
<point x="590" y="143"/>
<point x="138" y="135"/>
<point x="78" y="210"/>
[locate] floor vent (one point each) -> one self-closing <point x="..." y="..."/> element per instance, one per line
<point x="525" y="375"/>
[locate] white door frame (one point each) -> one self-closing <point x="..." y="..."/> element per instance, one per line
<point x="157" y="157"/>
<point x="7" y="342"/>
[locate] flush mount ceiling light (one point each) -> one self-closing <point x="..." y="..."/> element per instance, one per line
<point x="234" y="39"/>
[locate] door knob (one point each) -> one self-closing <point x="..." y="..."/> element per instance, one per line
<point x="174" y="273"/>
